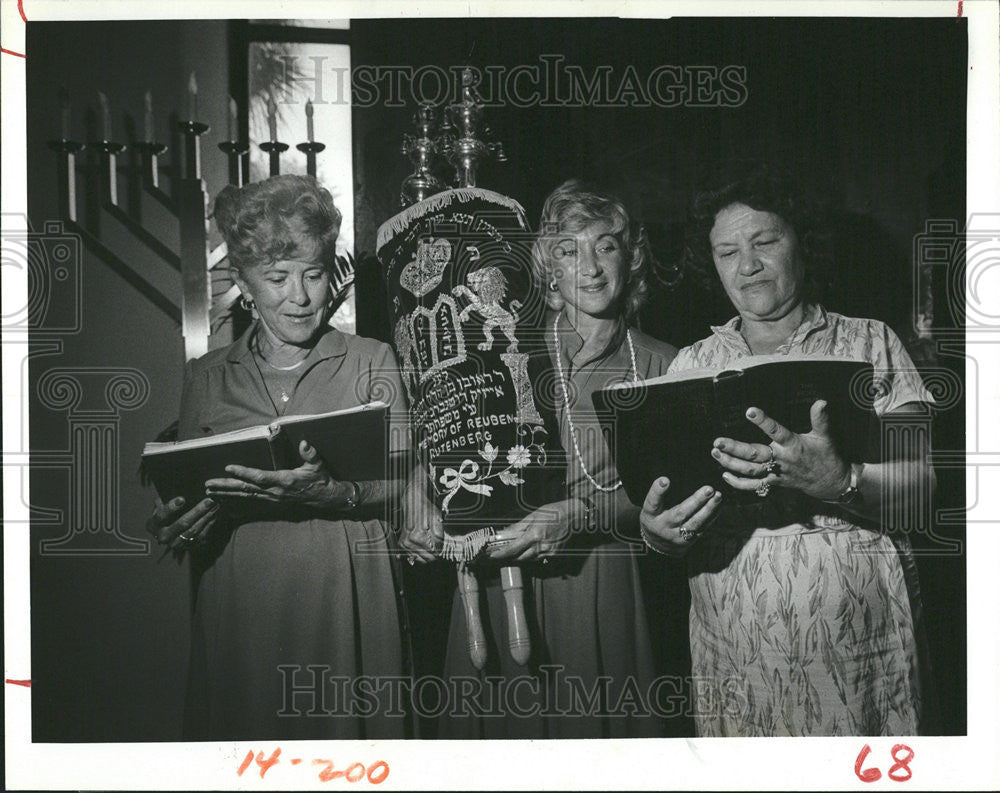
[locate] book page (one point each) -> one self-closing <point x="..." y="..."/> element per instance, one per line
<point x="741" y="364"/>
<point x="376" y="405"/>
<point x="222" y="438"/>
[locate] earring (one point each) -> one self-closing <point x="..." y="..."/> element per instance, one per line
<point x="246" y="304"/>
<point x="553" y="286"/>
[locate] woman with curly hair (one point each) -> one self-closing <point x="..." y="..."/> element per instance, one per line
<point x="296" y="600"/>
<point x="805" y="611"/>
<point x="584" y="603"/>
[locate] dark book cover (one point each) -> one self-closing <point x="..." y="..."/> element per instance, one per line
<point x="182" y="469"/>
<point x="666" y="426"/>
<point x="352" y="444"/>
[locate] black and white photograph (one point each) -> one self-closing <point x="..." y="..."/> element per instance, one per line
<point x="600" y="389"/>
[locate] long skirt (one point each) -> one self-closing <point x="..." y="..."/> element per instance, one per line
<point x="591" y="667"/>
<point x="296" y="635"/>
<point x="806" y="632"/>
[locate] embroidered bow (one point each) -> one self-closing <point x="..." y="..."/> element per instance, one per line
<point x="462" y="479"/>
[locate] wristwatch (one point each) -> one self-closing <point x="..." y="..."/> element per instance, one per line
<point x="355" y="498"/>
<point x="852" y="493"/>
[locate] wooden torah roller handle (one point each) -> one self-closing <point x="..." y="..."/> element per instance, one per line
<point x="468" y="586"/>
<point x="518" y="638"/>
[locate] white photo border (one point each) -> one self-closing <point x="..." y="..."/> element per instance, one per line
<point x="968" y="762"/>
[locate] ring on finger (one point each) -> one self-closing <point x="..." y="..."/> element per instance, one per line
<point x="687" y="534"/>
<point x="763" y="489"/>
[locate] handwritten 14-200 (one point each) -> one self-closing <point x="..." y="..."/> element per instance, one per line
<point x="376" y="773"/>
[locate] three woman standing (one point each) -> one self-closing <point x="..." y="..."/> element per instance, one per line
<point x="813" y="617"/>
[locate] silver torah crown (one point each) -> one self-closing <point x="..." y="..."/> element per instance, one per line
<point x="461" y="140"/>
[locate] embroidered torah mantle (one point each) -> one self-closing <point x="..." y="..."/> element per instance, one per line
<point x="468" y="332"/>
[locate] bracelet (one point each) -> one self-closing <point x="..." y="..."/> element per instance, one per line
<point x="645" y="539"/>
<point x="354" y="499"/>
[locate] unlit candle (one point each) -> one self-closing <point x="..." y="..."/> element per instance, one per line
<point x="272" y="119"/>
<point x="148" y="118"/>
<point x="105" y="116"/>
<point x="192" y="98"/>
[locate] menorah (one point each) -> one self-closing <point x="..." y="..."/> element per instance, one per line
<point x="109" y="225"/>
<point x="184" y="208"/>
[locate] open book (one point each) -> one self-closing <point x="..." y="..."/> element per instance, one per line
<point x="666" y="426"/>
<point x="352" y="443"/>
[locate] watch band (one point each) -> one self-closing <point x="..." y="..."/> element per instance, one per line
<point x="852" y="493"/>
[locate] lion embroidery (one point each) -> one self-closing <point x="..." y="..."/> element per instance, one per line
<point x="488" y="288"/>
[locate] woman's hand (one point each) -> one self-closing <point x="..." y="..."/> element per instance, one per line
<point x="538" y="535"/>
<point x="309" y="485"/>
<point x="174" y="525"/>
<point x="808" y="463"/>
<point x="672" y="531"/>
<point x="423" y="527"/>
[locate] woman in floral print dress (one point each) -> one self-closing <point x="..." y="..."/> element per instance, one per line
<point x="807" y="622"/>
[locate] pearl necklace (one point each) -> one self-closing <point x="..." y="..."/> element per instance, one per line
<point x="569" y="415"/>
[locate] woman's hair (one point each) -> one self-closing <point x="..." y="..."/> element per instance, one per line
<point x="284" y="217"/>
<point x="765" y="188"/>
<point x="574" y="205"/>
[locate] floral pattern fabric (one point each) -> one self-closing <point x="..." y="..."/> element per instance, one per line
<point x="809" y="628"/>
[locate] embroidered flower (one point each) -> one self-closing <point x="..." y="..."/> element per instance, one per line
<point x="489" y="452"/>
<point x="510" y="479"/>
<point x="518" y="457"/>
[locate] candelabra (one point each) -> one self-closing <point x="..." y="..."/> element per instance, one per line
<point x="186" y="202"/>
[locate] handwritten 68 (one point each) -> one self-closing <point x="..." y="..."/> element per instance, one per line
<point x="898" y="772"/>
<point x="376" y="773"/>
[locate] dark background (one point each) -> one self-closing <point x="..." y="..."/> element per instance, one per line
<point x="870" y="113"/>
